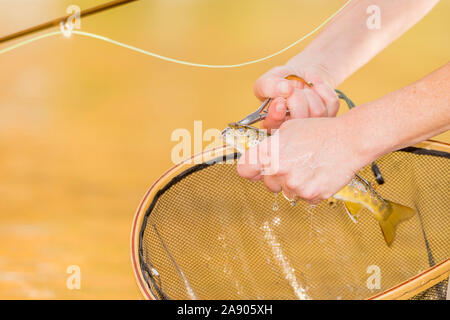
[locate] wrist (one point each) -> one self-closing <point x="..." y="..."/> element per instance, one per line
<point x="304" y="64"/>
<point x="365" y="145"/>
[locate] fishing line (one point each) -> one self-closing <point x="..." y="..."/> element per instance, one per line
<point x="173" y="60"/>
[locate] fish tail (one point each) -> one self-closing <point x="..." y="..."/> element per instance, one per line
<point x="399" y="213"/>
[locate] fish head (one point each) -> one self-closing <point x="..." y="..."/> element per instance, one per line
<point x="243" y="137"/>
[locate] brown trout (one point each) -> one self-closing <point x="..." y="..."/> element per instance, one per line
<point x="356" y="195"/>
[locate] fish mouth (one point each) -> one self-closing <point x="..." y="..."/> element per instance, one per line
<point x="242" y="136"/>
<point x="242" y="128"/>
<point x="237" y="125"/>
<point x="233" y="125"/>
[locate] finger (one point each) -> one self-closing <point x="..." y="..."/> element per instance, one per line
<point x="272" y="86"/>
<point x="270" y="155"/>
<point x="326" y="93"/>
<point x="312" y="190"/>
<point x="293" y="184"/>
<point x="276" y="114"/>
<point x="266" y="85"/>
<point x="329" y="97"/>
<point x="288" y="193"/>
<point x="254" y="161"/>
<point x="288" y="186"/>
<point x="314" y="201"/>
<point x="316" y="105"/>
<point x="297" y="84"/>
<point x="272" y="184"/>
<point x="249" y="165"/>
<point x="297" y="104"/>
<point x="309" y="193"/>
<point x="257" y="178"/>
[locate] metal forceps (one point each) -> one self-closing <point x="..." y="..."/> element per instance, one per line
<point x="261" y="113"/>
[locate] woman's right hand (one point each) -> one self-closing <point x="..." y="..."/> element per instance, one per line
<point x="302" y="101"/>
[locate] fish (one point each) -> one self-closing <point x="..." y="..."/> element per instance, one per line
<point x="243" y="137"/>
<point x="356" y="195"/>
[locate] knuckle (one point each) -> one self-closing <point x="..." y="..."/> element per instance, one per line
<point x="267" y="87"/>
<point x="335" y="104"/>
<point x="292" y="184"/>
<point x="335" y="101"/>
<point x="257" y="86"/>
<point x="309" y="193"/>
<point x="317" y="111"/>
<point x="270" y="185"/>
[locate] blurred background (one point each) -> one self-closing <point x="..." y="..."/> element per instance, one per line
<point x="85" y="126"/>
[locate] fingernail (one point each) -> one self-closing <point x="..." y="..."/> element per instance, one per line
<point x="283" y="88"/>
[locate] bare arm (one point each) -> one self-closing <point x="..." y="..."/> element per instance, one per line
<point x="402" y="118"/>
<point x="346" y="44"/>
<point x="319" y="156"/>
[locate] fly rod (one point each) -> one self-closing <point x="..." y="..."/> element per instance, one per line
<point x="55" y="22"/>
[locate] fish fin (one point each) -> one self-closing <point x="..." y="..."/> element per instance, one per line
<point x="399" y="213"/>
<point x="352" y="209"/>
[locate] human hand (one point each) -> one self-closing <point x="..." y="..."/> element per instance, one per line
<point x="314" y="159"/>
<point x="320" y="100"/>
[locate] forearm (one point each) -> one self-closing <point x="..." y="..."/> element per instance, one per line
<point x="346" y="44"/>
<point x="402" y="118"/>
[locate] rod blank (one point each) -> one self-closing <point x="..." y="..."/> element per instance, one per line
<point x="55" y="22"/>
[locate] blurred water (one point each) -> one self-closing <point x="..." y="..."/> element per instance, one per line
<point x="85" y="126"/>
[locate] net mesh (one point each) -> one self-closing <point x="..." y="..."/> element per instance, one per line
<point x="436" y="292"/>
<point x="209" y="234"/>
